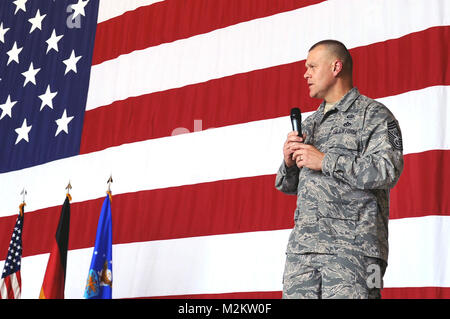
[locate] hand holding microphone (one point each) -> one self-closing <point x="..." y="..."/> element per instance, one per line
<point x="294" y="138"/>
<point x="295" y="151"/>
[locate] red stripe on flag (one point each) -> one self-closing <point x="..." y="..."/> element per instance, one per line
<point x="12" y="284"/>
<point x="18" y="285"/>
<point x="172" y="20"/>
<point x="9" y="288"/>
<point x="201" y="209"/>
<point x="423" y="187"/>
<point x="231" y="295"/>
<point x="416" y="293"/>
<point x="267" y="93"/>
<point x="223" y="207"/>
<point x="386" y="293"/>
<point x="390" y="71"/>
<point x="6" y="224"/>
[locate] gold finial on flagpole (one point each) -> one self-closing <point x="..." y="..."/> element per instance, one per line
<point x="24" y="194"/>
<point x="69" y="187"/>
<point x="109" y="182"/>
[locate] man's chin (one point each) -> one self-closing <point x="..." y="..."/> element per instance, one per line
<point x="315" y="95"/>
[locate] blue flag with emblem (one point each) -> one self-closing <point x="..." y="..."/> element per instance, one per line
<point x="99" y="281"/>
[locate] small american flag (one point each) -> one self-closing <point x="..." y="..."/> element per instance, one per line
<point x="11" y="283"/>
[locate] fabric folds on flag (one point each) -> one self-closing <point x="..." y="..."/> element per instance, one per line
<point x="99" y="281"/>
<point x="11" y="282"/>
<point x="55" y="275"/>
<point x="227" y="72"/>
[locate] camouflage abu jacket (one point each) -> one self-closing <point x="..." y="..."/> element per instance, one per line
<point x="345" y="207"/>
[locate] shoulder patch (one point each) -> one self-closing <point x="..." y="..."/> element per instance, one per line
<point x="395" y="137"/>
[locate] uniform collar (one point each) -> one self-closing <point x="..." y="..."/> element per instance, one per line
<point x="345" y="102"/>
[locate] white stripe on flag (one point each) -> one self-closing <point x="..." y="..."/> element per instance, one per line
<point x="15" y="285"/>
<point x="418" y="252"/>
<point x="3" y="289"/>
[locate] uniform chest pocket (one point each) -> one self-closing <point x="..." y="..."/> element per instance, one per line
<point x="344" y="141"/>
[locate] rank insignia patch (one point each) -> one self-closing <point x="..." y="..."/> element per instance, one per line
<point x="395" y="137"/>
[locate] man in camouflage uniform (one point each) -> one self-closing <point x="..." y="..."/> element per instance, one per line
<point x="341" y="170"/>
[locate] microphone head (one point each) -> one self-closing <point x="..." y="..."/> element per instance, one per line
<point x="295" y="113"/>
<point x="296" y="120"/>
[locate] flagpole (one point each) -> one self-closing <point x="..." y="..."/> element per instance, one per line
<point x="69" y="187"/>
<point x="21" y="206"/>
<point x="109" y="182"/>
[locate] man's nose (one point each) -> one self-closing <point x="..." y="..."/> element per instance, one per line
<point x="306" y="75"/>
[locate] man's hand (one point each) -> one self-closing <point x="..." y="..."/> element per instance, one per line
<point x="308" y="156"/>
<point x="290" y="146"/>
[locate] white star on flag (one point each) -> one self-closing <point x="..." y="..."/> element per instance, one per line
<point x="20" y="5"/>
<point x="3" y="32"/>
<point x="47" y="98"/>
<point x="36" y="22"/>
<point x="63" y="123"/>
<point x="52" y="42"/>
<point x="71" y="62"/>
<point x="7" y="107"/>
<point x="30" y="75"/>
<point x="22" y="132"/>
<point x="14" y="54"/>
<point x="78" y="8"/>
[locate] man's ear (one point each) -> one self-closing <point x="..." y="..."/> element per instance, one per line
<point x="337" y="67"/>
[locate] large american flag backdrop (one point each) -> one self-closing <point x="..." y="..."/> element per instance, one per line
<point x="91" y="89"/>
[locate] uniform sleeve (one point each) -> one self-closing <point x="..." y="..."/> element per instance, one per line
<point x="380" y="163"/>
<point x="287" y="177"/>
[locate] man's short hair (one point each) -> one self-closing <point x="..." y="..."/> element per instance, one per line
<point x="340" y="51"/>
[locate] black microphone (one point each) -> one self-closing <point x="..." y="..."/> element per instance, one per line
<point x="296" y="120"/>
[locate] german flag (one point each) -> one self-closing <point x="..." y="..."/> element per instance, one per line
<point x="55" y="275"/>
